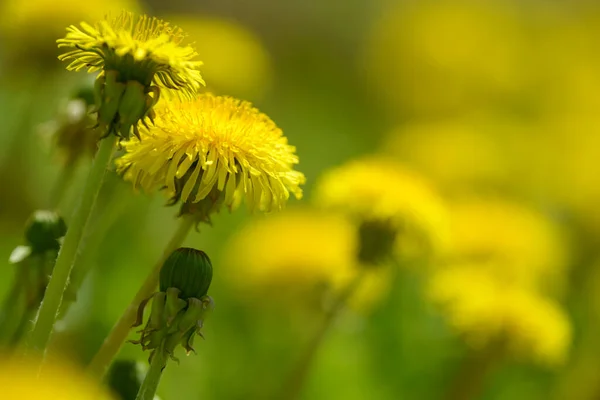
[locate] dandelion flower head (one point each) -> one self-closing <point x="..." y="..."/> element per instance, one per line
<point x="377" y="189"/>
<point x="488" y="311"/>
<point x="140" y="48"/>
<point x="212" y="151"/>
<point x="297" y="252"/>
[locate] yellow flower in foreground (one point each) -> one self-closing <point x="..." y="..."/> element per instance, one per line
<point x="297" y="252"/>
<point x="488" y="311"/>
<point x="211" y="151"/>
<point x="381" y="190"/>
<point x="149" y="49"/>
<point x="237" y="63"/>
<point x="515" y="243"/>
<point x="18" y="381"/>
<point x="137" y="57"/>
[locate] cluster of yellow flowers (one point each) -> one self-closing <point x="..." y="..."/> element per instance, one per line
<point x="483" y="117"/>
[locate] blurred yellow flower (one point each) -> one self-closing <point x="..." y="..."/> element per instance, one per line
<point x="437" y="57"/>
<point x="513" y="242"/>
<point x="378" y="189"/>
<point x="57" y="381"/>
<point x="297" y="252"/>
<point x="490" y="312"/>
<point x="144" y="49"/>
<point x="30" y="28"/>
<point x="211" y="151"/>
<point x="458" y="154"/>
<point x="236" y="62"/>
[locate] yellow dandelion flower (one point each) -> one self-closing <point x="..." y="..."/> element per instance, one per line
<point x="237" y="62"/>
<point x="488" y="311"/>
<point x="212" y="151"/>
<point x="137" y="56"/>
<point x="375" y="189"/>
<point x="57" y="381"/>
<point x="514" y="242"/>
<point x="294" y="253"/>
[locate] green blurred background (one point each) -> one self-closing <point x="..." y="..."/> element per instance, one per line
<point x="493" y="97"/>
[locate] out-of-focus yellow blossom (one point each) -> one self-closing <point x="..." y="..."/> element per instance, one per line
<point x="561" y="164"/>
<point x="512" y="242"/>
<point x="491" y="312"/>
<point x="29" y="28"/>
<point x="18" y="381"/>
<point x="236" y="62"/>
<point x="565" y="57"/>
<point x="212" y="151"/>
<point x="381" y="190"/>
<point x="457" y="153"/>
<point x="298" y="252"/>
<point x="437" y="57"/>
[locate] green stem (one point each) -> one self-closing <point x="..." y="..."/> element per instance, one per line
<point x="117" y="336"/>
<point x="11" y="306"/>
<point x="61" y="185"/>
<point x="60" y="276"/>
<point x="295" y="383"/>
<point x="148" y="389"/>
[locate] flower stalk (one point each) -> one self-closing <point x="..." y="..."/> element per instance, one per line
<point x="150" y="383"/>
<point x="64" y="263"/>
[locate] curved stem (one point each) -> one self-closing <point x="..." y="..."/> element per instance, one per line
<point x="60" y="276"/>
<point x="117" y="336"/>
<point x="296" y="380"/>
<point x="148" y="389"/>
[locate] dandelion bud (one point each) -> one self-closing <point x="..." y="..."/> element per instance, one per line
<point x="188" y="270"/>
<point x="44" y="230"/>
<point x="376" y="241"/>
<point x="181" y="306"/>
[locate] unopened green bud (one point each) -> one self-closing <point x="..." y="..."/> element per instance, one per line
<point x="188" y="270"/>
<point x="376" y="241"/>
<point x="44" y="230"/>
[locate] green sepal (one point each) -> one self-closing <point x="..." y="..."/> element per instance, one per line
<point x="174" y="304"/>
<point x="157" y="316"/>
<point x="132" y="107"/>
<point x="112" y="93"/>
